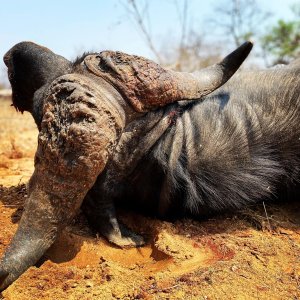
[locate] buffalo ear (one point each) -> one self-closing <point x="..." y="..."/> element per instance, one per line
<point x="30" y="66"/>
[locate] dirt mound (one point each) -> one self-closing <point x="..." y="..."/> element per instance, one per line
<point x="254" y="254"/>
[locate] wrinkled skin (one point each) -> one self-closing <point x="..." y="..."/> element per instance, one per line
<point x="112" y="126"/>
<point x="69" y="157"/>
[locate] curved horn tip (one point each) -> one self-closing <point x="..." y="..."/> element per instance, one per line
<point x="246" y="47"/>
<point x="247" y="44"/>
<point x="240" y="53"/>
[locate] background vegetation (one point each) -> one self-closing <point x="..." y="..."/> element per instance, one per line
<point x="192" y="45"/>
<point x="234" y="20"/>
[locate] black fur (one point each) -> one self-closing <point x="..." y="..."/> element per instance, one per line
<point x="238" y="146"/>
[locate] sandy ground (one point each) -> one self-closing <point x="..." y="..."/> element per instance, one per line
<point x="249" y="255"/>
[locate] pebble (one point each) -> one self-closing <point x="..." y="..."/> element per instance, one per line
<point x="89" y="284"/>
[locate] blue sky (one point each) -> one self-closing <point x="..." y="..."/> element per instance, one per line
<point x="69" y="27"/>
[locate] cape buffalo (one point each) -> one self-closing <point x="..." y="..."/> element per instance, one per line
<point x="119" y="129"/>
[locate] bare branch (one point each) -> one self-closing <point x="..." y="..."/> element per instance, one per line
<point x="240" y="19"/>
<point x="139" y="18"/>
<point x="187" y="52"/>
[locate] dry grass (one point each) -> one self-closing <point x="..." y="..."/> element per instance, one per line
<point x="18" y="141"/>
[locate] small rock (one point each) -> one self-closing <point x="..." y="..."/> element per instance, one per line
<point x="74" y="285"/>
<point x="234" y="268"/>
<point x="89" y="284"/>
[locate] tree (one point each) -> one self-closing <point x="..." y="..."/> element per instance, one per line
<point x="239" y="20"/>
<point x="140" y="15"/>
<point x="283" y="40"/>
<point x="189" y="52"/>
